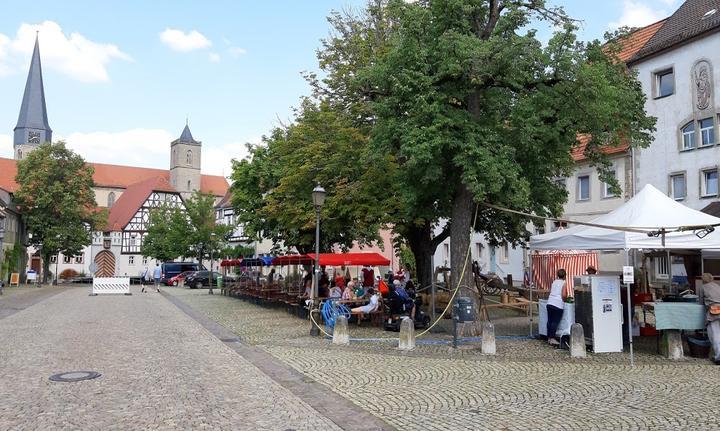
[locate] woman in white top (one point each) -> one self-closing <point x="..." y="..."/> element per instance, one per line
<point x="555" y="306"/>
<point x="370" y="306"/>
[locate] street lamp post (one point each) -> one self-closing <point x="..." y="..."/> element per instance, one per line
<point x="212" y="248"/>
<point x="318" y="197"/>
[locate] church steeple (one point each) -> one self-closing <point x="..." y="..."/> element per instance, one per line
<point x="185" y="157"/>
<point x="32" y="128"/>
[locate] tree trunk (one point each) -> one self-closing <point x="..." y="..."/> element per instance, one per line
<point x="46" y="267"/>
<point x="462" y="214"/>
<point x="423" y="245"/>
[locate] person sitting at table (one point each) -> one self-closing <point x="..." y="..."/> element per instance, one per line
<point x="323" y="289"/>
<point x="360" y="291"/>
<point x="339" y="279"/>
<point x="711" y="298"/>
<point x="370" y="306"/>
<point x="335" y="292"/>
<point x="555" y="306"/>
<point x="349" y="292"/>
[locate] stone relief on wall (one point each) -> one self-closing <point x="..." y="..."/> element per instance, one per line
<point x="702" y="82"/>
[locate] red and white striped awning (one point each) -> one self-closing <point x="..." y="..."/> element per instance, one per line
<point x="546" y="263"/>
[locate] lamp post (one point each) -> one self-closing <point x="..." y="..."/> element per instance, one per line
<point x="212" y="248"/>
<point x="318" y="197"/>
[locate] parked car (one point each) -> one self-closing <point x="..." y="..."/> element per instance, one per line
<point x="174" y="281"/>
<point x="200" y="279"/>
<point x="171" y="269"/>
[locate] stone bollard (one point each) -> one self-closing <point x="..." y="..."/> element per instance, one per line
<point x="340" y="331"/>
<point x="577" y="341"/>
<point x="407" y="334"/>
<point x="672" y="343"/>
<point x="487" y="347"/>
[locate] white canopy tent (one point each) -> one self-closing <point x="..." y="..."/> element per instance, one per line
<point x="650" y="220"/>
<point x="648" y="211"/>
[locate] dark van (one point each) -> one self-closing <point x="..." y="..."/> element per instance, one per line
<point x="171" y="269"/>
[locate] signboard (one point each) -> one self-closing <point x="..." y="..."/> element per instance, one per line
<point x="628" y="275"/>
<point x="31" y="276"/>
<point x="15" y="279"/>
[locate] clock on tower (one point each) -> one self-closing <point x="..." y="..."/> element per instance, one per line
<point x="33" y="137"/>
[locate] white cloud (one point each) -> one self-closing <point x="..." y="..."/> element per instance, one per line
<point x="6" y="147"/>
<point x="137" y="147"/>
<point x="214" y="57"/>
<point x="178" y="40"/>
<point x="639" y="13"/>
<point x="237" y="51"/>
<point x="217" y="160"/>
<point x="73" y="55"/>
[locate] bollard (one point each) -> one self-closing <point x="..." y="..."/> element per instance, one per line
<point x="340" y="331"/>
<point x="407" y="334"/>
<point x="577" y="341"/>
<point x="672" y="344"/>
<point x="487" y="347"/>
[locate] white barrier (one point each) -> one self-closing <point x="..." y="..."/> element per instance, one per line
<point x="111" y="285"/>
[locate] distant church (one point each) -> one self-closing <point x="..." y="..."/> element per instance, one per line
<point x="128" y="192"/>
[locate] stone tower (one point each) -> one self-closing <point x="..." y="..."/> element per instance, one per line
<point x="32" y="127"/>
<point x="185" y="163"/>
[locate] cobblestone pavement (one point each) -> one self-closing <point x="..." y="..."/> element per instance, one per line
<point x="16" y="299"/>
<point x="160" y="370"/>
<point x="526" y="386"/>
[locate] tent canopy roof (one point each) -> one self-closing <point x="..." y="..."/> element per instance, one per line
<point x="648" y="211"/>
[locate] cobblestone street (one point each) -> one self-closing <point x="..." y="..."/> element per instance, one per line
<point x="526" y="386"/>
<point x="160" y="370"/>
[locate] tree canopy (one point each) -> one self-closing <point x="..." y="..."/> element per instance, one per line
<point x="57" y="201"/>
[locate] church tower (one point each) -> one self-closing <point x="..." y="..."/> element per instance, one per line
<point x="185" y="163"/>
<point x="32" y="127"/>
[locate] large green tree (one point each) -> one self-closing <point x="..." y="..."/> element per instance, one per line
<point x="272" y="189"/>
<point x="466" y="97"/>
<point x="57" y="201"/>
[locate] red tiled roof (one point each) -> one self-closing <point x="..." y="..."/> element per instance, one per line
<point x="635" y="41"/>
<point x="578" y="152"/>
<point x="117" y="176"/>
<point x="132" y="199"/>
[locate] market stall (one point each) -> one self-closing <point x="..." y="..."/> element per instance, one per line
<point x="649" y="221"/>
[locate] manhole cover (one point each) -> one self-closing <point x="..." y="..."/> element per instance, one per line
<point x="74" y="376"/>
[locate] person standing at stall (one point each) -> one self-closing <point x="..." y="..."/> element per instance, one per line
<point x="555" y="306"/>
<point x="711" y="297"/>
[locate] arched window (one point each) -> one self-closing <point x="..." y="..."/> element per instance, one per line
<point x="111" y="199"/>
<point x="688" y="136"/>
<point x="188" y="158"/>
<point x="189" y="187"/>
<point x="19" y="155"/>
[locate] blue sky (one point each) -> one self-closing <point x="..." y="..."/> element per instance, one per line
<point x="121" y="77"/>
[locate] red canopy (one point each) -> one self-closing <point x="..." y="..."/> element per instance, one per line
<point x="349" y="259"/>
<point x="230" y="262"/>
<point x="292" y="259"/>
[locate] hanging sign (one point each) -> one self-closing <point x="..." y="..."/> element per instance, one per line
<point x="628" y="275"/>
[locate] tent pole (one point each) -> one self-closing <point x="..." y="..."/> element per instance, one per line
<point x="670" y="274"/>
<point x="629" y="313"/>
<point x="530" y="286"/>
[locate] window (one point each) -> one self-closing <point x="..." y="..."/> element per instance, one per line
<point x="688" y="136"/>
<point x="79" y="259"/>
<point x="53" y="259"/>
<point x="607" y="191"/>
<point x="505" y="253"/>
<point x="678" y="187"/>
<point x="558" y="225"/>
<point x="188" y="158"/>
<point x="664" y="83"/>
<point x="189" y="187"/>
<point x="111" y="199"/>
<point x="145" y="260"/>
<point x="709" y="183"/>
<point x="478" y="249"/>
<point x="446" y="253"/>
<point x="662" y="268"/>
<point x="67" y="259"/>
<point x="707" y="132"/>
<point x="131" y="260"/>
<point x="583" y="188"/>
<point x="19" y="155"/>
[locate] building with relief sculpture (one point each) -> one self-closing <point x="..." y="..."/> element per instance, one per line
<point x="127" y="192"/>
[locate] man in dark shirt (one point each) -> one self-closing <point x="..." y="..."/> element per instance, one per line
<point x="368" y="276"/>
